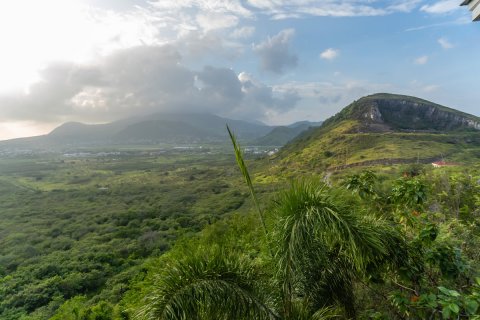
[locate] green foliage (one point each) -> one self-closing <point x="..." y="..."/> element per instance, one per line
<point x="100" y="237"/>
<point x="62" y="240"/>
<point x="323" y="245"/>
<point x="208" y="285"/>
<point x="363" y="184"/>
<point x="442" y="304"/>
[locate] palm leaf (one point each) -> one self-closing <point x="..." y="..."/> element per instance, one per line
<point x="211" y="287"/>
<point x="323" y="244"/>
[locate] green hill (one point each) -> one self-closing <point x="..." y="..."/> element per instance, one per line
<point x="280" y="136"/>
<point x="385" y="128"/>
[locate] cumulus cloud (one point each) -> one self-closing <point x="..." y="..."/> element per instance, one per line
<point x="445" y="44"/>
<point x="421" y="60"/>
<point x="213" y="21"/>
<point x="440" y="7"/>
<point x="141" y="80"/>
<point x="330" y="54"/>
<point x="274" y="53"/>
<point x="271" y="100"/>
<point x="243" y="32"/>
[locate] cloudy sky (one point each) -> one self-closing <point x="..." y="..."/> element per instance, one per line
<point x="277" y="61"/>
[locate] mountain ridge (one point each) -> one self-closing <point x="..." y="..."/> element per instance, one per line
<point x="384" y="128"/>
<point x="401" y="112"/>
<point x="158" y="128"/>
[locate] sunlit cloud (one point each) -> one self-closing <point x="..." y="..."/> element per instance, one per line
<point x="142" y="80"/>
<point x="35" y="33"/>
<point x="330" y="54"/>
<point x="440" y="7"/>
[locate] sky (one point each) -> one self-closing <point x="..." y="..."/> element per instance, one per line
<point x="275" y="61"/>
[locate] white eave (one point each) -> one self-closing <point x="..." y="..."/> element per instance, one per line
<point x="474" y="6"/>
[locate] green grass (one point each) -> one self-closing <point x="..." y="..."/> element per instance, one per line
<point x="330" y="147"/>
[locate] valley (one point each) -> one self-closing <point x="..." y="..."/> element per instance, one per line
<point x="94" y="231"/>
<point x="82" y="223"/>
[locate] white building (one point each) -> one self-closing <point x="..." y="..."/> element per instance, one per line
<point x="474" y="6"/>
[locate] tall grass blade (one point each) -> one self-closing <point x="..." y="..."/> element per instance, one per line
<point x="246" y="175"/>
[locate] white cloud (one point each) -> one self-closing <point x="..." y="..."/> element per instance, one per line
<point x="234" y="7"/>
<point x="34" y="33"/>
<point x="421" y="60"/>
<point x="274" y="52"/>
<point x="440" y="7"/>
<point x="330" y="54"/>
<point x="213" y="21"/>
<point x="445" y="43"/>
<point x="243" y="32"/>
<point x="284" y="9"/>
<point x="141" y="80"/>
<point x="404" y="5"/>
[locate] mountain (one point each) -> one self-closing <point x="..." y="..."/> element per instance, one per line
<point x="156" y="128"/>
<point x="382" y="129"/>
<point x="280" y="136"/>
<point x="387" y="112"/>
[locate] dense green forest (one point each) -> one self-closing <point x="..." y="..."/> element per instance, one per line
<point x="386" y="246"/>
<point x="111" y="237"/>
<point x="83" y="225"/>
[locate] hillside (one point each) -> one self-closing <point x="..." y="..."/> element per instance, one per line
<point x="390" y="112"/>
<point x="385" y="128"/>
<point x="280" y="136"/>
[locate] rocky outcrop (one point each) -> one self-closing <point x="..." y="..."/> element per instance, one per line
<point x="374" y="114"/>
<point x="409" y="114"/>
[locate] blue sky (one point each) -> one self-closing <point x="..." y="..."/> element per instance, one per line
<point x="277" y="61"/>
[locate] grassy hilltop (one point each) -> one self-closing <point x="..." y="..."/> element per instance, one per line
<point x="385" y="127"/>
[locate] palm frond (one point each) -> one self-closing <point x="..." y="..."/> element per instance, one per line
<point x="326" y="313"/>
<point x="323" y="244"/>
<point x="215" y="287"/>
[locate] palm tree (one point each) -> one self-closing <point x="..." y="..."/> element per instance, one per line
<point x="209" y="285"/>
<point x="319" y="246"/>
<point x="323" y="245"/>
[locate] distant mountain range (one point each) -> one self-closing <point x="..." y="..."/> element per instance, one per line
<point x="385" y="128"/>
<point x="159" y="128"/>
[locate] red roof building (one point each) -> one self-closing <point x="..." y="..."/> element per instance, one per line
<point x="439" y="164"/>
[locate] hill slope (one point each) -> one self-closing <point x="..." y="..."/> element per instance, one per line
<point x="385" y="128"/>
<point x="280" y="136"/>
